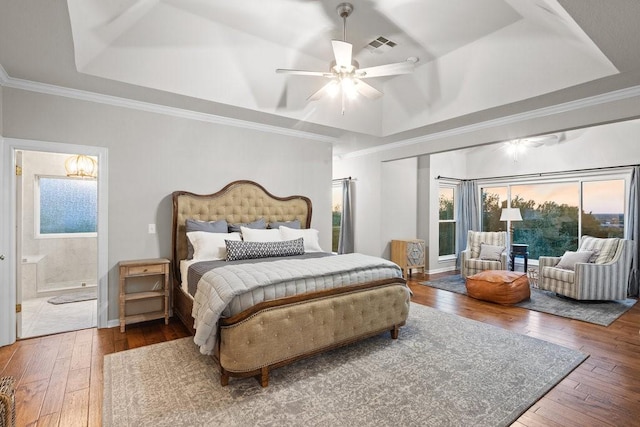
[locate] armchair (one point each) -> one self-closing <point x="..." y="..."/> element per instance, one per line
<point x="470" y="260"/>
<point x="606" y="278"/>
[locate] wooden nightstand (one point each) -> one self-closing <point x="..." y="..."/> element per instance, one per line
<point x="130" y="291"/>
<point x="408" y="254"/>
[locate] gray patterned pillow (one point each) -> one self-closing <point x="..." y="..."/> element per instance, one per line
<point x="250" y="250"/>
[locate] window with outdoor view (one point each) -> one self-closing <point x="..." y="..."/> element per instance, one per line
<point x="493" y="200"/>
<point x="553" y="217"/>
<point x="447" y="224"/>
<point x="336" y="215"/>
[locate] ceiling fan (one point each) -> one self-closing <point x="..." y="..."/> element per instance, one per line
<point x="344" y="73"/>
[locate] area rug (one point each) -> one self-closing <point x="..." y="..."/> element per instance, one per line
<point x="73" y="297"/>
<point x="444" y="370"/>
<point x="598" y="312"/>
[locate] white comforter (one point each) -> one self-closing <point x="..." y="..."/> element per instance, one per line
<point x="219" y="286"/>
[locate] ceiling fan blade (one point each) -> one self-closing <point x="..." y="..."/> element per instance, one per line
<point x="404" y="67"/>
<point x="342" y="52"/>
<point x="324" y="90"/>
<point x="367" y="90"/>
<point x="303" y="72"/>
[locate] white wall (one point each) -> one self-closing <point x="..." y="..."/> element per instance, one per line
<point x="399" y="211"/>
<point x="616" y="144"/>
<point x="151" y="155"/>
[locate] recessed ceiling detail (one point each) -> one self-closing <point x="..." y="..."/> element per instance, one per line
<point x="473" y="55"/>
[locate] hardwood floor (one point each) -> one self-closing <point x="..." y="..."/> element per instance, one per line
<point x="59" y="377"/>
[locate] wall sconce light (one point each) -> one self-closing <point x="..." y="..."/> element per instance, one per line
<point x="81" y="166"/>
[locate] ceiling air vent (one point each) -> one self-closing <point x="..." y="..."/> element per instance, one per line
<point x="380" y="45"/>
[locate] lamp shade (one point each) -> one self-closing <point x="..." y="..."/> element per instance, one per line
<point x="510" y="214"/>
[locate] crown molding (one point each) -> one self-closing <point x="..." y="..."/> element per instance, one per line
<point x="83" y="95"/>
<point x="565" y="107"/>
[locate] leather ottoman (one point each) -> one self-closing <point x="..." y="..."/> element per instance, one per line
<point x="500" y="286"/>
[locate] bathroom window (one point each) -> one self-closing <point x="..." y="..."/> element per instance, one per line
<point x="65" y="207"/>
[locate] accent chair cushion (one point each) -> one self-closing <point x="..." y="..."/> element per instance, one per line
<point x="569" y="259"/>
<point x="490" y="252"/>
<point x="476" y="238"/>
<point x="499" y="286"/>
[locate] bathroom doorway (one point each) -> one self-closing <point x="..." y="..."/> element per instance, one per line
<point x="10" y="303"/>
<point x="56" y="218"/>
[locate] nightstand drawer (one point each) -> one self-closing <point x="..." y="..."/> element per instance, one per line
<point x="145" y="269"/>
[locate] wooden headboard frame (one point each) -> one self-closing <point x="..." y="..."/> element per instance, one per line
<point x="239" y="201"/>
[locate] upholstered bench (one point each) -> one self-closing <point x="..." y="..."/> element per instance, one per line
<point x="499" y="286"/>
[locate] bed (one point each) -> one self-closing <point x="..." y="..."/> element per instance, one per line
<point x="286" y="321"/>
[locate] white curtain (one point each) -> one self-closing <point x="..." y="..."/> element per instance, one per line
<point x="467" y="214"/>
<point x="345" y="242"/>
<point x="633" y="229"/>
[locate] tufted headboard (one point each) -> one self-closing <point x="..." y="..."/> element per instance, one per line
<point x="239" y="201"/>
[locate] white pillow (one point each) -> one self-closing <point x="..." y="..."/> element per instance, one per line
<point x="260" y="235"/>
<point x="310" y="236"/>
<point x="210" y="246"/>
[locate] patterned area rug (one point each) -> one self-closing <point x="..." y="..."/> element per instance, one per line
<point x="73" y="297"/>
<point x="444" y="370"/>
<point x="598" y="312"/>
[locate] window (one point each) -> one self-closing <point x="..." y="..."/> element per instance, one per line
<point x="65" y="207"/>
<point x="549" y="217"/>
<point x="493" y="200"/>
<point x="603" y="208"/>
<point x="447" y="223"/>
<point x="336" y="215"/>
<point x="555" y="214"/>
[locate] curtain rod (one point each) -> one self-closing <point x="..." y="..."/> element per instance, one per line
<point x="530" y="175"/>
<point x="344" y="179"/>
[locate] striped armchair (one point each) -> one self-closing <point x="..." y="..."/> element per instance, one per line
<point x="470" y="260"/>
<point x="605" y="278"/>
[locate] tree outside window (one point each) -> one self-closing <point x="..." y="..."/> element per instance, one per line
<point x="553" y="217"/>
<point x="447" y="224"/>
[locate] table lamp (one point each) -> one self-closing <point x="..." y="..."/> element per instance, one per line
<point x="510" y="214"/>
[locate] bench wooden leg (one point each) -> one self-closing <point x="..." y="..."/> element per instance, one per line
<point x="394" y="332"/>
<point x="224" y="377"/>
<point x="264" y="377"/>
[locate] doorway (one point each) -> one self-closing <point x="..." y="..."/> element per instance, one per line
<point x="30" y="265"/>
<point x="57" y="262"/>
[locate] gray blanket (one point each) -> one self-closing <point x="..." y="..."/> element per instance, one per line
<point x="219" y="286"/>
<point x="198" y="269"/>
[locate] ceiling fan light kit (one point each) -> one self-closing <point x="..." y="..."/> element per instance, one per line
<point x="345" y="73"/>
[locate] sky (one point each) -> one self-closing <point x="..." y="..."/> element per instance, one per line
<point x="600" y="197"/>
